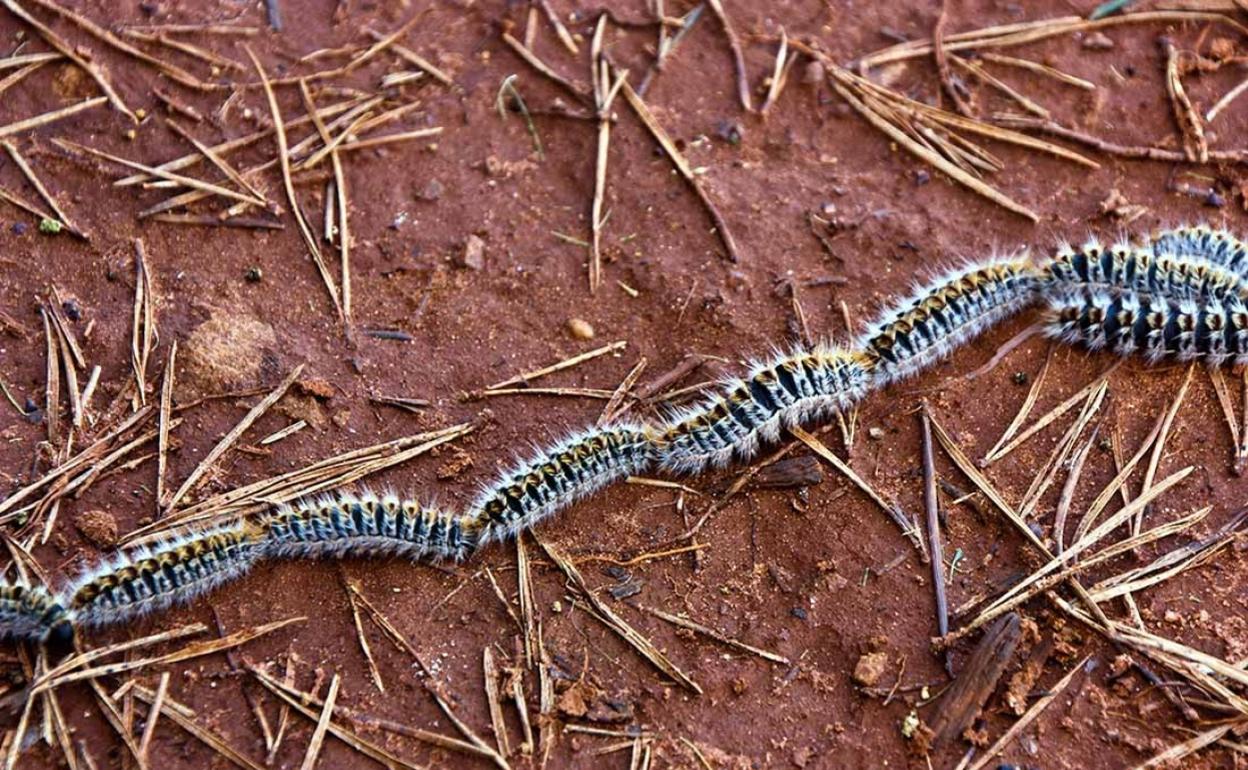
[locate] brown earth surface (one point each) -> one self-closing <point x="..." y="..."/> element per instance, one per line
<point x="818" y="576"/>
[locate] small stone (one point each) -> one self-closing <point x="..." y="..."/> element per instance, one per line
<point x="802" y="756"/>
<point x="1020" y="378"/>
<point x="432" y="191"/>
<point x="870" y="668"/>
<point x="1098" y="41"/>
<point x="254" y="275"/>
<point x="1173" y="617"/>
<point x="19" y="228"/>
<point x="473" y="256"/>
<point x="98" y="527"/>
<point x="580" y="329"/>
<point x="875" y="432"/>
<point x="799" y="613"/>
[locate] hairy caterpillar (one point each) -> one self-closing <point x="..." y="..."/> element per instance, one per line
<point x="1123" y="267"/>
<point x="1178" y="297"/>
<point x="945" y="314"/>
<point x="558" y="476"/>
<point x="30" y="612"/>
<point x="154" y="578"/>
<point x="366" y="525"/>
<point x="1156" y="327"/>
<point x="1202" y="241"/>
<point x="787" y="390"/>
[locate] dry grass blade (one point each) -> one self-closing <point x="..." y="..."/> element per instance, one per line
<point x="1032" y="31"/>
<point x="931" y="505"/>
<point x="1172" y="755"/>
<point x="1170" y="564"/>
<point x="1042" y="703"/>
<point x="561" y="31"/>
<point x="80" y="659"/>
<point x="299" y="701"/>
<point x="897" y="135"/>
<point x="1159" y="447"/>
<point x="1039" y="69"/>
<point x="738" y="58"/>
<point x="779" y="74"/>
<point x="568" y="363"/>
<point x="179" y="179"/>
<point x="1036" y="585"/>
<point x="1054" y="413"/>
<point x="431" y="686"/>
<point x="978" y="71"/>
<point x="52" y="399"/>
<point x="153" y="716"/>
<point x="611" y="620"/>
<point x="578" y="91"/>
<point x="322" y="726"/>
<point x="47" y="197"/>
<point x="229" y="438"/>
<point x="417" y="60"/>
<point x="1061" y="451"/>
<point x="162" y="444"/>
<point x="53" y="679"/>
<point x="184" y="717"/>
<point x="682" y="165"/>
<point x="1226" y="100"/>
<point x="1228" y="408"/>
<point x="1066" y="499"/>
<point x="330" y="473"/>
<point x="171" y="71"/>
<point x="283" y="156"/>
<point x="907" y="527"/>
<point x="373" y="671"/>
<point x="524" y="594"/>
<point x="952" y="87"/>
<point x="707" y="631"/>
<point x="195" y="51"/>
<point x="489" y="670"/>
<point x="71" y="52"/>
<point x="220" y="163"/>
<point x="1033" y="393"/>
<point x="1119" y="481"/>
<point x="119" y="725"/>
<point x="612" y="410"/>
<point x="143" y="322"/>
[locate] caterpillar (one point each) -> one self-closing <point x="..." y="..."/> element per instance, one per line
<point x="31" y="612"/>
<point x="1176" y="297"/>
<point x="154" y="578"/>
<point x="1156" y="327"/>
<point x="1124" y="267"/>
<point x="1201" y="241"/>
<point x="791" y="389"/>
<point x="366" y="525"/>
<point x="951" y="311"/>
<point x="560" y="475"/>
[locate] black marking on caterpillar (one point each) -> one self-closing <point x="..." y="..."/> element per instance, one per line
<point x="32" y="613"/>
<point x="1123" y="267"/>
<point x="153" y="578"/>
<point x="793" y="389"/>
<point x="558" y="476"/>
<point x="365" y="525"/>
<point x="1213" y="244"/>
<point x="1127" y="323"/>
<point x="946" y="313"/>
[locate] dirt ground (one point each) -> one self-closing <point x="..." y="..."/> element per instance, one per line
<point x="817" y="575"/>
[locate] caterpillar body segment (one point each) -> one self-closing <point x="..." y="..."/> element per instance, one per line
<point x="946" y="313"/>
<point x="1123" y="267"/>
<point x="558" y="476"/>
<point x="31" y="613"/>
<point x="153" y="578"/>
<point x="1213" y="244"/>
<point x="365" y="525"/>
<point x="792" y="389"/>
<point x="1157" y="328"/>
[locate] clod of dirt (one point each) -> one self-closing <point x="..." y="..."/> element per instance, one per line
<point x="228" y="351"/>
<point x="870" y="669"/>
<point x="580" y="329"/>
<point x="431" y="191"/>
<point x="98" y="527"/>
<point x="460" y="461"/>
<point x="473" y="255"/>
